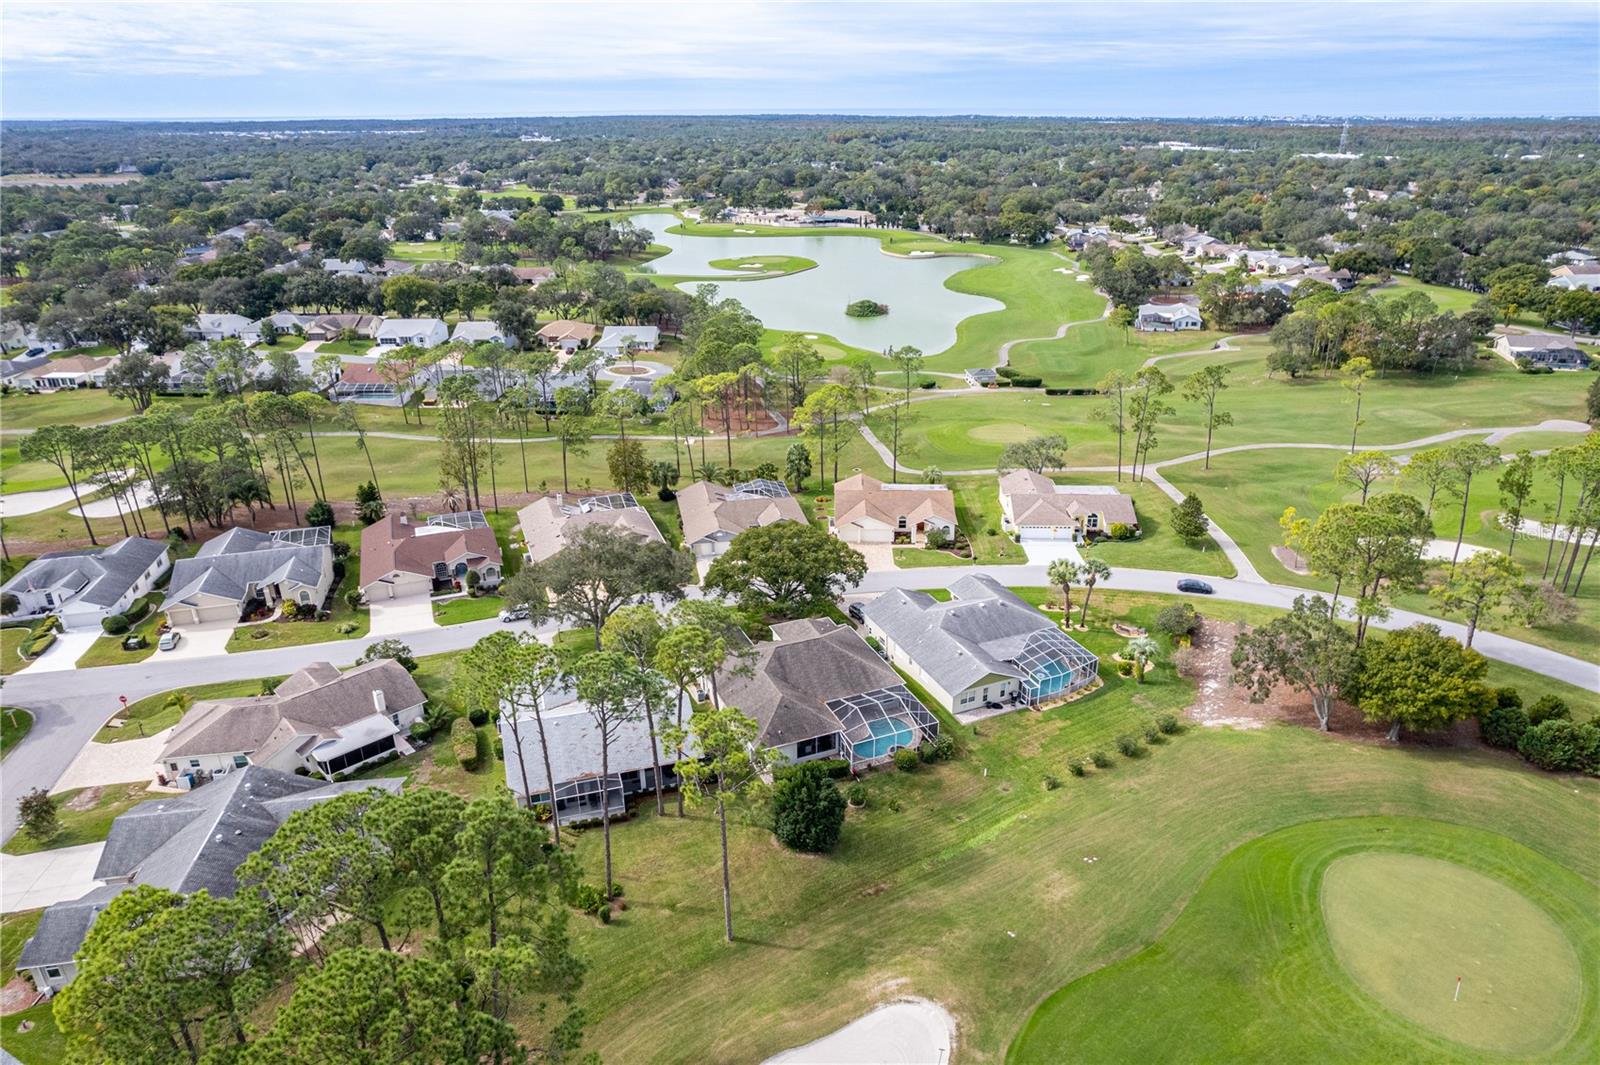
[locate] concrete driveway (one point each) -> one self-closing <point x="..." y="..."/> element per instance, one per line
<point x="878" y="556"/>
<point x="401" y="615"/>
<point x="63" y="654"/>
<point x="32" y="881"/>
<point x="199" y="641"/>
<point x="1044" y="552"/>
<point x="130" y="761"/>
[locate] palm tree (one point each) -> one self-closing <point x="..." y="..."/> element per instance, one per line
<point x="1142" y="650"/>
<point x="1062" y="572"/>
<point x="1094" y="571"/>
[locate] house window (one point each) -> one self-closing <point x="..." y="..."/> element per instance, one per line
<point x="52" y="973"/>
<point x="49" y="599"/>
<point x="1092" y="521"/>
<point x="194" y="763"/>
<point x="240" y="761"/>
<point x="900" y="523"/>
<point x="305" y="597"/>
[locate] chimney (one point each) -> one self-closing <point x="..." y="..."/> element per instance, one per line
<point x="404" y="520"/>
<point x="379" y="702"/>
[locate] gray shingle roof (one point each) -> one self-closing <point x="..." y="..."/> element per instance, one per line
<point x="105" y="574"/>
<point x="979" y="632"/>
<point x="185" y="843"/>
<point x="810" y="662"/>
<point x="224" y="566"/>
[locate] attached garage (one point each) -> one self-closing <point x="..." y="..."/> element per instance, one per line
<point x="397" y="585"/>
<point x="1046" y="533"/>
<point x="202" y="614"/>
<point x="865" y="532"/>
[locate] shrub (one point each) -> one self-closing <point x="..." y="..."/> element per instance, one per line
<point x="857" y="794"/>
<point x="1169" y="724"/>
<point x="1006" y="371"/>
<point x="395" y="649"/>
<point x="136" y="613"/>
<point x="1119" y="531"/>
<point x="905" y="759"/>
<point x="1051" y="783"/>
<point x="1179" y="619"/>
<point x="1153" y="735"/>
<point x="114" y="624"/>
<point x="1559" y="745"/>
<point x="1130" y="747"/>
<point x="39" y="644"/>
<point x="1075" y="767"/>
<point x="499" y="749"/>
<point x="941" y="748"/>
<point x="478" y="716"/>
<point x="421" y="729"/>
<point x="341" y="551"/>
<point x="938" y="539"/>
<point x="1507" y="697"/>
<point x="464" y="743"/>
<point x="927" y="383"/>
<point x="591" y="899"/>
<point x="1002" y="382"/>
<point x="352" y="598"/>
<point x="807" y="809"/>
<point x="1548" y="708"/>
<point x="36" y="813"/>
<point x="866" y="309"/>
<point x="1019" y="381"/>
<point x="1101" y="759"/>
<point x="837" y="768"/>
<point x="1503" y="726"/>
<point x="542" y="813"/>
<point x="1124" y="669"/>
<point x="320" y="513"/>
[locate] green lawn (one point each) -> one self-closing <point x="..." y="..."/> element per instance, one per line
<point x="11" y="641"/>
<point x="455" y="611"/>
<point x="1088" y="352"/>
<point x="89" y="825"/>
<point x="436" y="766"/>
<point x="43" y="1042"/>
<point x="765" y="265"/>
<point x="1158" y="547"/>
<point x="15" y="723"/>
<point x="108" y="650"/>
<point x="978" y="517"/>
<point x="1340" y="941"/>
<point x="19" y="476"/>
<point x="425" y="251"/>
<point x="967" y="883"/>
<point x="298" y="633"/>
<point x="153" y="713"/>
<point x="346" y="347"/>
<point x="1247" y="492"/>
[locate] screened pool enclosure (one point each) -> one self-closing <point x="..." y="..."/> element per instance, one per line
<point x="875" y="724"/>
<point x="1055" y="665"/>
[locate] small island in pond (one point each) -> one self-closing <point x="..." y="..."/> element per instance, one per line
<point x="867" y="309"/>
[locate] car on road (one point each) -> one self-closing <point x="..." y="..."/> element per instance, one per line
<point x="856" y="612"/>
<point x="518" y="613"/>
<point x="1189" y="584"/>
<point x="169" y="639"/>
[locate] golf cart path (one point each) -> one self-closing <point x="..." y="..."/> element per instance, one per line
<point x="1003" y="355"/>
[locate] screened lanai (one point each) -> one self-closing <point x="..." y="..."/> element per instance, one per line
<point x="1055" y="665"/>
<point x="875" y="724"/>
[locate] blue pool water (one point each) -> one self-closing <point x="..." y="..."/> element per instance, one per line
<point x="886" y="736"/>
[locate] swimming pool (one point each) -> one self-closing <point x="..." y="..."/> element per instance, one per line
<point x="887" y="734"/>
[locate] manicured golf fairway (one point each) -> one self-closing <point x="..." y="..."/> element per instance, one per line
<point x="1405" y="927"/>
<point x="1249" y="971"/>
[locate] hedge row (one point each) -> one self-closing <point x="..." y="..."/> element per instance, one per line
<point x="464" y="742"/>
<point x="1543" y="734"/>
<point x="117" y="624"/>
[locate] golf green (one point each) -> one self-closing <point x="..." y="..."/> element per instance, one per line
<point x="1406" y="927"/>
<point x="1001" y="433"/>
<point x="1340" y="941"/>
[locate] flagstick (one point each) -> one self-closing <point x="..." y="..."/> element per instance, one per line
<point x="1457" y="996"/>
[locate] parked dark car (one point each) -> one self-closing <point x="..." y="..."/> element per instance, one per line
<point x="1189" y="584"/>
<point x="856" y="612"/>
<point x="993" y="706"/>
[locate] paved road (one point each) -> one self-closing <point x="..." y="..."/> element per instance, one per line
<point x="69" y="710"/>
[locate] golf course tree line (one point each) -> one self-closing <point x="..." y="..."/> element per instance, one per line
<point x="416" y="926"/>
<point x="1404" y="333"/>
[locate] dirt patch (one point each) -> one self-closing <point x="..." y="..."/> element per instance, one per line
<point x="84" y="800"/>
<point x="17" y="996"/>
<point x="750" y="413"/>
<point x="1290" y="560"/>
<point x="1220" y="702"/>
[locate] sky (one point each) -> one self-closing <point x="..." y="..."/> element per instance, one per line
<point x="430" y="58"/>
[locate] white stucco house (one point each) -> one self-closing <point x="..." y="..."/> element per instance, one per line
<point x="619" y="341"/>
<point x="417" y="332"/>
<point x="85" y="587"/>
<point x="481" y="332"/>
<point x="867" y="511"/>
<point x="1166" y="317"/>
<point x="1035" y="508"/>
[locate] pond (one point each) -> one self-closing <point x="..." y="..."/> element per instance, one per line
<point x="922" y="312"/>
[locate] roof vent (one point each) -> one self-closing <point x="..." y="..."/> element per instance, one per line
<point x="405" y="520"/>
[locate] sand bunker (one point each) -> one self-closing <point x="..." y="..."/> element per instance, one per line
<point x="911" y="1031"/>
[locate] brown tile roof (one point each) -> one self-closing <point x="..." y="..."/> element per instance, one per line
<point x="708" y="508"/>
<point x="860" y="497"/>
<point x="392" y="544"/>
<point x="548" y="523"/>
<point x="564" y="329"/>
<point x="1038" y="501"/>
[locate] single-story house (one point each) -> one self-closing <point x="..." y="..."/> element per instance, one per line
<point x="566" y="335"/>
<point x="574" y="747"/>
<point x="816" y="690"/>
<point x="481" y="332"/>
<point x="532" y="275"/>
<point x="620" y="341"/>
<point x="184" y="843"/>
<point x="363" y="382"/>
<point x="224" y="327"/>
<point x="867" y="511"/>
<point x="333" y="326"/>
<point x="1577" y="276"/>
<point x="319" y="720"/>
<point x="983" y="648"/>
<point x="84" y="587"/>
<point x="242" y="569"/>
<point x="74" y="371"/>
<point x="283" y="322"/>
<point x="550" y="521"/>
<point x="345" y="267"/>
<point x="20" y="364"/>
<point x="1542" y="349"/>
<point x="1201" y="244"/>
<point x="1034" y="507"/>
<point x="400" y="557"/>
<point x="418" y="332"/>
<point x="713" y="514"/>
<point x="981" y="378"/>
<point x="1166" y="317"/>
